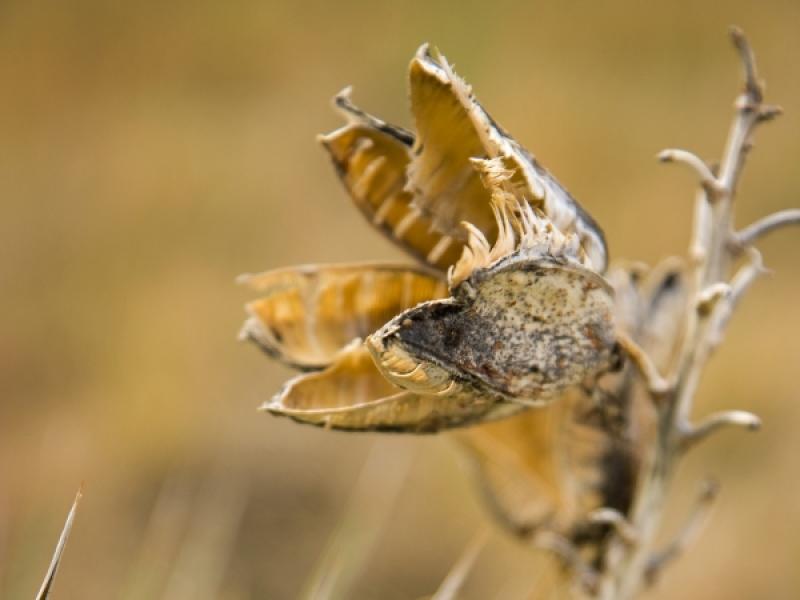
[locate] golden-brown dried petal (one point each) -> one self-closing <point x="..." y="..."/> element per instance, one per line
<point x="352" y="395"/>
<point x="371" y="158"/>
<point x="515" y="465"/>
<point x="309" y="313"/>
<point x="549" y="468"/>
<point x="453" y="128"/>
<point x="441" y="177"/>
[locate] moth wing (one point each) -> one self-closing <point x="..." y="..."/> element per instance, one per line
<point x="371" y="158"/>
<point x="307" y="314"/>
<point x="352" y="395"/>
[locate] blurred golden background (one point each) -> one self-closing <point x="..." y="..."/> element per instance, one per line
<point x="151" y="151"/>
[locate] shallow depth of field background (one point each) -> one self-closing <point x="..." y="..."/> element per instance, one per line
<point x="150" y="152"/>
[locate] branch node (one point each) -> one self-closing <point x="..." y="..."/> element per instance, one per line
<point x="709" y="297"/>
<point x="611" y="516"/>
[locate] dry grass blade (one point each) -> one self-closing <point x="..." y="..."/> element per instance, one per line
<point x="161" y="539"/>
<point x="47" y="584"/>
<point x="368" y="510"/>
<point x="452" y="583"/>
<point x="206" y="551"/>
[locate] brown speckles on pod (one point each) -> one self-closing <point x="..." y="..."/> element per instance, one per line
<point x="526" y="335"/>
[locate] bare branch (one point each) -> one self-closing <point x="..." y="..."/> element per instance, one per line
<point x="697" y="164"/>
<point x="693" y="434"/>
<point x="686" y="535"/>
<point x="701" y="231"/>
<point x="740" y="283"/>
<point x="753" y="87"/>
<point x="713" y="248"/>
<point x="557" y="544"/>
<point x="452" y="583"/>
<point x="750" y="113"/>
<point x="750" y="234"/>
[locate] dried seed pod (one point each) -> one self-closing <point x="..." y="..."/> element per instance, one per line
<point x="526" y="319"/>
<point x="529" y="314"/>
<point x="309" y="313"/>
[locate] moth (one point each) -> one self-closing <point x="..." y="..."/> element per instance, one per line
<point x="509" y="322"/>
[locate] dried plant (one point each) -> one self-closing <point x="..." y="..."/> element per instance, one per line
<point x="570" y="384"/>
<point x="55" y="562"/>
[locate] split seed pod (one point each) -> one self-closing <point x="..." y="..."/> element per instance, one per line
<point x="509" y="309"/>
<point x="526" y="319"/>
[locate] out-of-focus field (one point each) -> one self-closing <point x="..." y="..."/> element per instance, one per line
<point x="151" y="151"/>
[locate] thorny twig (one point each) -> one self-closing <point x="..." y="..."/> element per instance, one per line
<point x="631" y="562"/>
